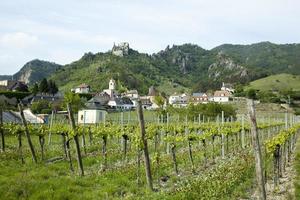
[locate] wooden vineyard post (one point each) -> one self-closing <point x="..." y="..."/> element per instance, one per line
<point x="257" y="151"/>
<point x="63" y="137"/>
<point x="104" y="151"/>
<point x="243" y="132"/>
<point x="2" y="131"/>
<point x="51" y="124"/>
<point x="20" y="147"/>
<point x="168" y="144"/>
<point x="72" y="121"/>
<point x="145" y="145"/>
<point x="223" y="137"/>
<point x="27" y="133"/>
<point x="68" y="151"/>
<point x="138" y="170"/>
<point x="90" y="136"/>
<point x="286" y="121"/>
<point x="173" y="146"/>
<point x="191" y="155"/>
<point x="42" y="144"/>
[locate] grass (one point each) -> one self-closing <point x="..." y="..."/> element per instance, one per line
<point x="170" y="88"/>
<point x="279" y="82"/>
<point x="55" y="181"/>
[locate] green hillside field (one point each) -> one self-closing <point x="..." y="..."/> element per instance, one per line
<point x="279" y="82"/>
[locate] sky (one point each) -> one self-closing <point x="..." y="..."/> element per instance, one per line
<point x="62" y="31"/>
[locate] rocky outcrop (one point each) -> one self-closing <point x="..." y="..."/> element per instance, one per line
<point x="182" y="62"/>
<point x="226" y="67"/>
<point x="25" y="76"/>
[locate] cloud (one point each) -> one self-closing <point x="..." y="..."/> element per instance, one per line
<point x="55" y="31"/>
<point x="18" y="40"/>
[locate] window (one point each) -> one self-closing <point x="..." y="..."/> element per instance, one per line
<point x="81" y="117"/>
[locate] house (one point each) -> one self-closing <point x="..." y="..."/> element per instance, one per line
<point x="12" y="85"/>
<point x="91" y="116"/>
<point x="131" y="94"/>
<point x="95" y="110"/>
<point x="179" y="100"/>
<point x="221" y="96"/>
<point x="82" y="89"/>
<point x="146" y="102"/>
<point x="199" y="98"/>
<point x="227" y="87"/>
<point x="98" y="103"/>
<point x="7" y="83"/>
<point x="57" y="98"/>
<point x="120" y="103"/>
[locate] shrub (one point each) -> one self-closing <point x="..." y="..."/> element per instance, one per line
<point x="41" y="107"/>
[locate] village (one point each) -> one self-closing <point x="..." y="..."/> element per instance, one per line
<point x="110" y="100"/>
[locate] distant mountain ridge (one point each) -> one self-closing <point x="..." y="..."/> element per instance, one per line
<point x="182" y="66"/>
<point x="178" y="67"/>
<point x="34" y="71"/>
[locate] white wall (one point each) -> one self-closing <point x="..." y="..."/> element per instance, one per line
<point x="82" y="90"/>
<point x="91" y="116"/>
<point x="221" y="99"/>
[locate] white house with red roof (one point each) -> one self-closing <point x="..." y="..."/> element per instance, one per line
<point x="82" y="89"/>
<point x="221" y="96"/>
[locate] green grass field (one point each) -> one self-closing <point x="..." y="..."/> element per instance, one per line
<point x="54" y="180"/>
<point x="280" y="82"/>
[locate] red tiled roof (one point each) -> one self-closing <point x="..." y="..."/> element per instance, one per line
<point x="221" y="93"/>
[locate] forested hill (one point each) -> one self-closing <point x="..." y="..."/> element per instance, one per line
<point x="180" y="67"/>
<point x="33" y="71"/>
<point x="268" y="57"/>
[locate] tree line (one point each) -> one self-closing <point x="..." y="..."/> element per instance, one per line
<point x="45" y="86"/>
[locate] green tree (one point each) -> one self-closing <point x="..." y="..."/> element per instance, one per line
<point x="43" y="87"/>
<point x="251" y="94"/>
<point x="41" y="107"/>
<point x="74" y="100"/>
<point x="35" y="88"/>
<point x="52" y="88"/>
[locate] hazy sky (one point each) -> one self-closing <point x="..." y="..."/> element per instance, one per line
<point x="63" y="30"/>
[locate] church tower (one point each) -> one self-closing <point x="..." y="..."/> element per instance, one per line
<point x="112" y="84"/>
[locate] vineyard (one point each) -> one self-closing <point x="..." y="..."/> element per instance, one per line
<point x="186" y="160"/>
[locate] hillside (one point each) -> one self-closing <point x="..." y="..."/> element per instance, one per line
<point x="279" y="82"/>
<point x="265" y="57"/>
<point x="177" y="68"/>
<point x="34" y="71"/>
<point x="182" y="66"/>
